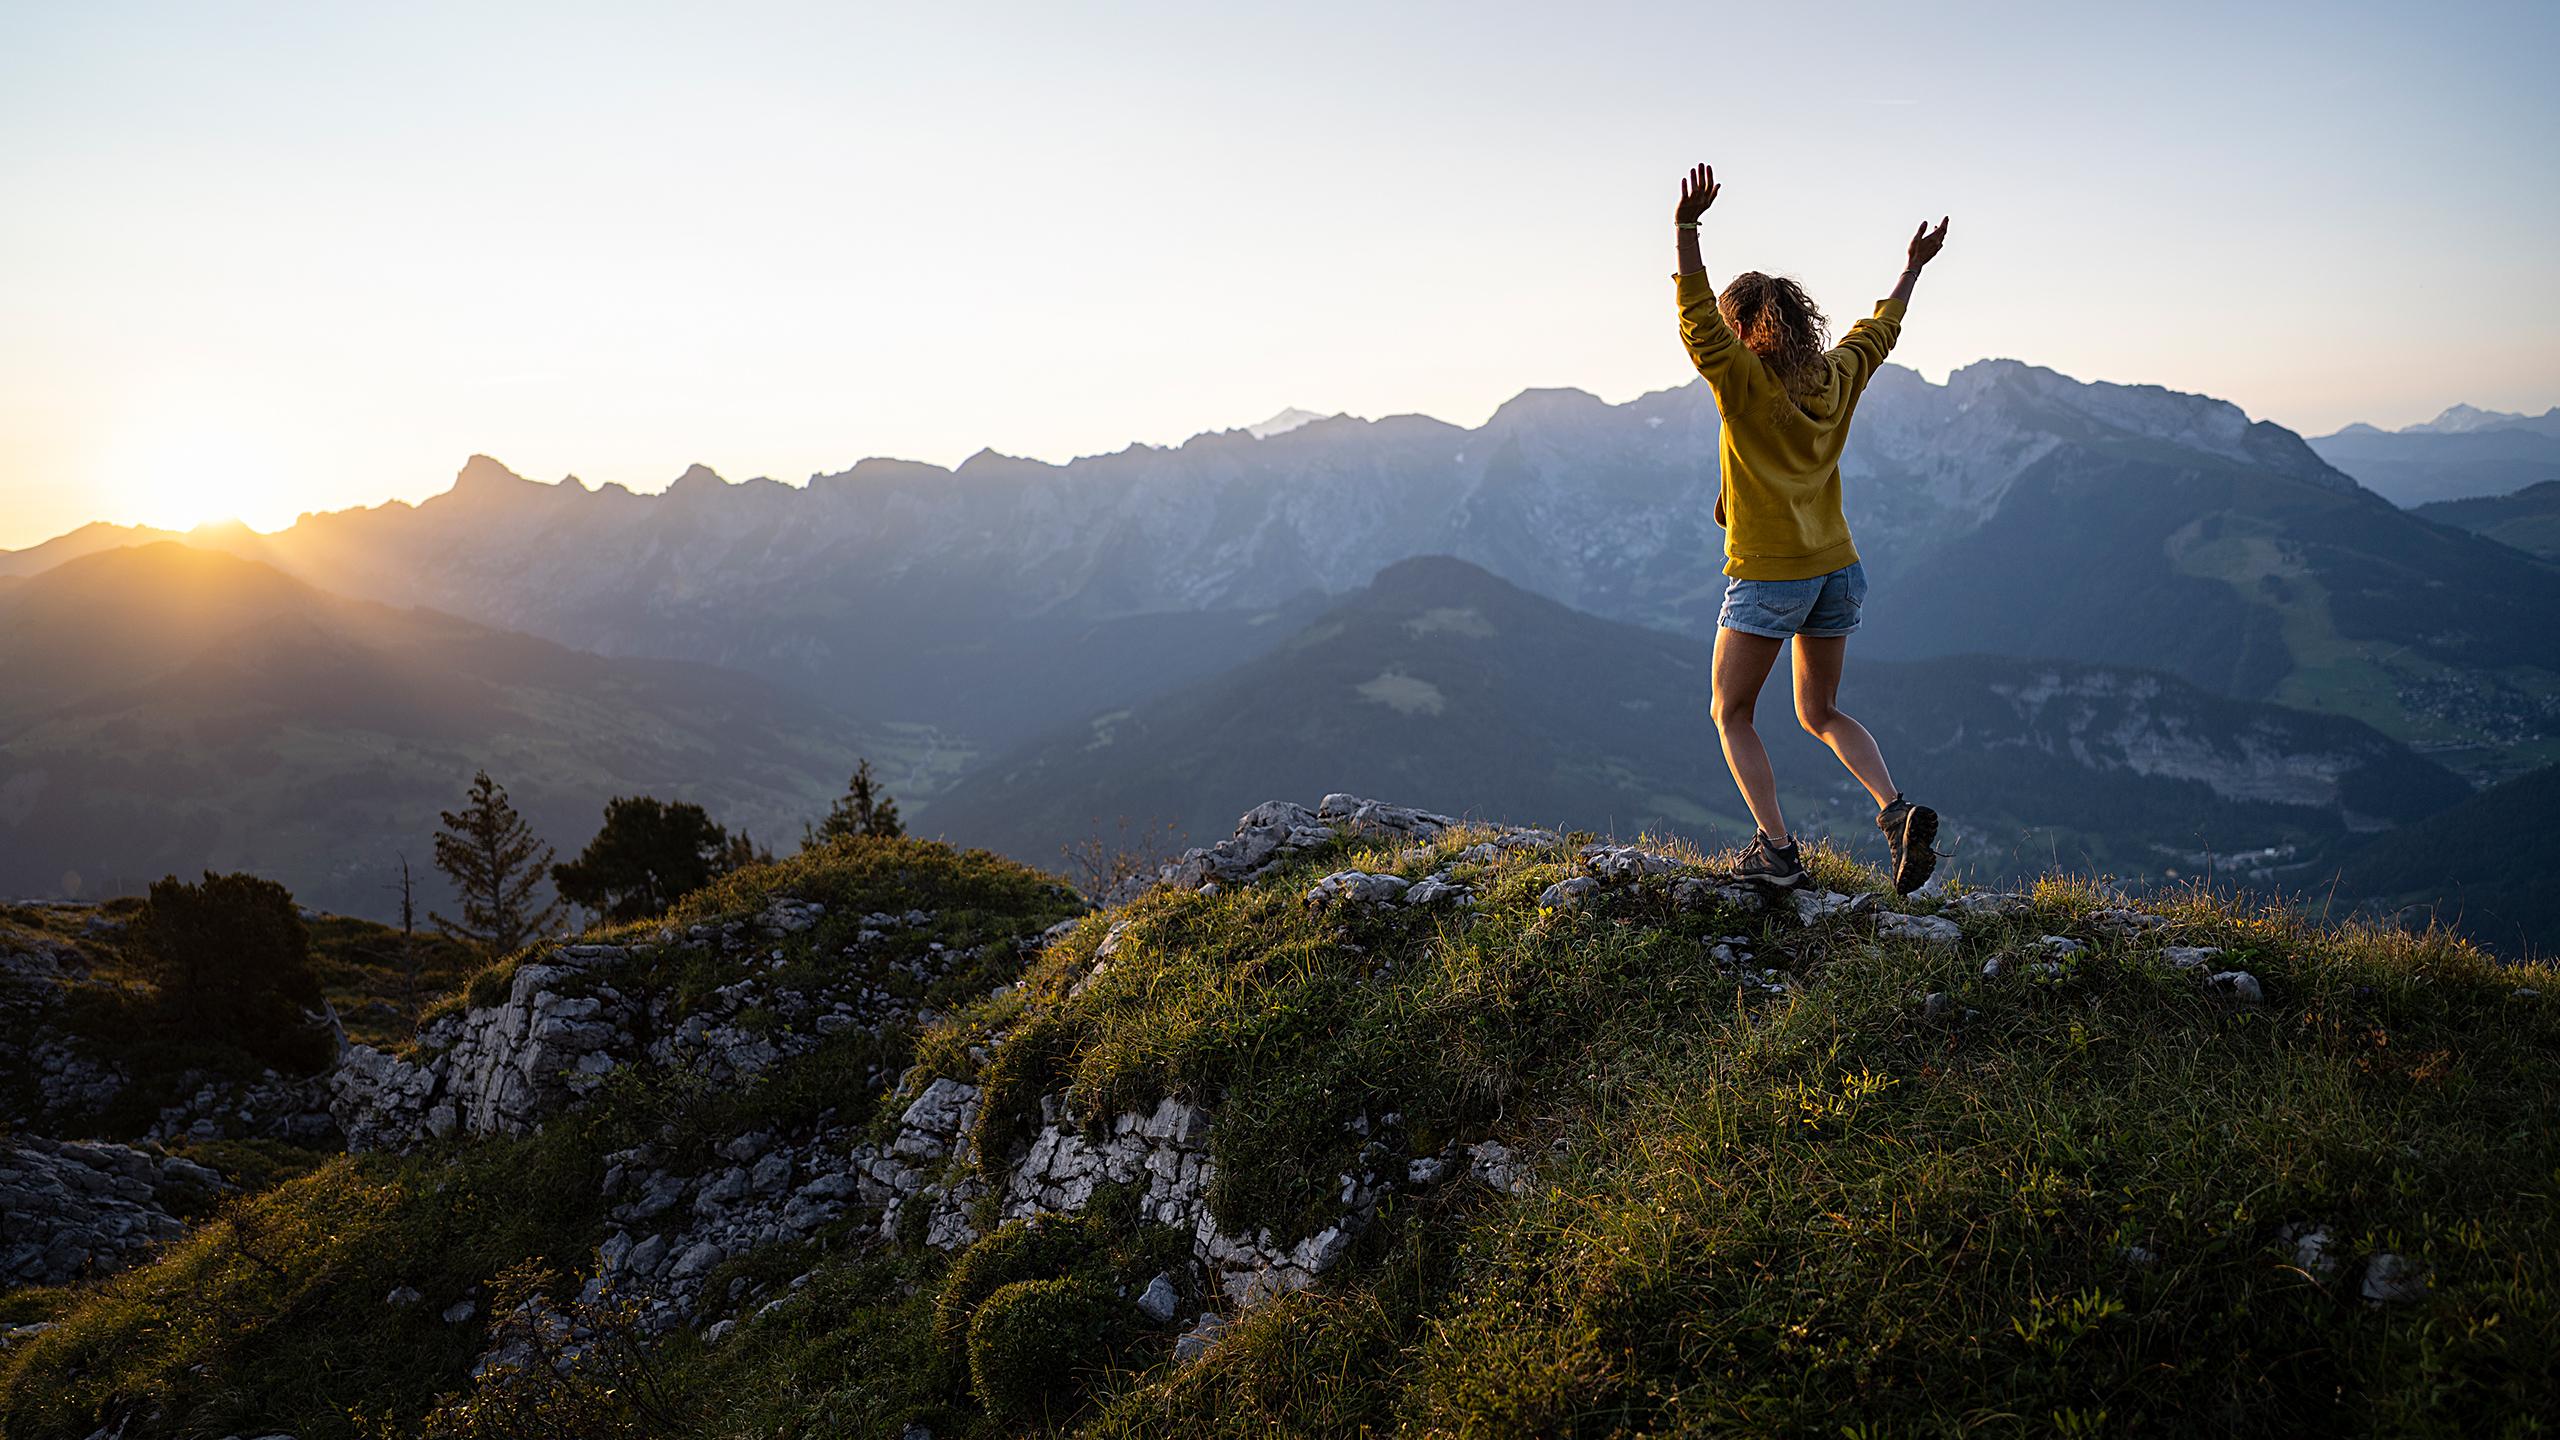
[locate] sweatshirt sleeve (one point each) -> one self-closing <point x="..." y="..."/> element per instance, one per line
<point x="1712" y="345"/>
<point x="1862" y="350"/>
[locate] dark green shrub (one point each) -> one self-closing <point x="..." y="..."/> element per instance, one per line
<point x="233" y="962"/>
<point x="1039" y="1248"/>
<point x="1036" y="1344"/>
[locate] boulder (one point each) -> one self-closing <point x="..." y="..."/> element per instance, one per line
<point x="1567" y="893"/>
<point x="1921" y="929"/>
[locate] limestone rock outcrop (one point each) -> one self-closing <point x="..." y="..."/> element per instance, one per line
<point x="72" y="1209"/>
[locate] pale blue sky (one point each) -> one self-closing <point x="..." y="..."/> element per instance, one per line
<point x="267" y="258"/>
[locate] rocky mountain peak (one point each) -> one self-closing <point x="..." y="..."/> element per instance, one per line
<point x="1281" y="424"/>
<point x="1548" y="406"/>
<point x="698" y="479"/>
<point x="2035" y="398"/>
<point x="483" y="475"/>
<point x="2455" y="419"/>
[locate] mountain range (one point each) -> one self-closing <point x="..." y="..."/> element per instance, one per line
<point x="2009" y="510"/>
<point x="2461" y="454"/>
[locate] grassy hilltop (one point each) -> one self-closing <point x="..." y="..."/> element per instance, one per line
<point x="1754" y="1173"/>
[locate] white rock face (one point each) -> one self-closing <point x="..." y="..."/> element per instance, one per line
<point x="497" y="1070"/>
<point x="1165" y="1153"/>
<point x="571" y="1016"/>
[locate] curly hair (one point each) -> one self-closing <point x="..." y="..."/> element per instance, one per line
<point x="1783" y="326"/>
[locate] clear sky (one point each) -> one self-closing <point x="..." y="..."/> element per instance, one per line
<point x="258" y="259"/>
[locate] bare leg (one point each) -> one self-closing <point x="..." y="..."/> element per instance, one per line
<point x="1743" y="663"/>
<point x="1818" y="662"/>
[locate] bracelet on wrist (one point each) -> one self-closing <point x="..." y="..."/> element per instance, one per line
<point x="1685" y="225"/>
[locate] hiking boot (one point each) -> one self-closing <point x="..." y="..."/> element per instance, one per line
<point x="1911" y="830"/>
<point x="1775" y="866"/>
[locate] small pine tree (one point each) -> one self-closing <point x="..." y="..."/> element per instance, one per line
<point x="496" y="863"/>
<point x="743" y="851"/>
<point x="233" y="962"/>
<point x="863" y="809"/>
<point x="648" y="855"/>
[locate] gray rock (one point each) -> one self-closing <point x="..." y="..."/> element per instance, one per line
<point x="718" y="1332"/>
<point x="1432" y="889"/>
<point x="460" y="1311"/>
<point x="770" y="1174"/>
<point x="697" y="1258"/>
<point x="1426" y="1170"/>
<point x="1200" y="1338"/>
<point x="403" y="1296"/>
<point x="73" y="1209"/>
<point x="933" y="1124"/>
<point x="2062" y="946"/>
<point x="2389" y="1280"/>
<point x="1627" y="862"/>
<point x="1567" y="893"/>
<point x="2312" y="1248"/>
<point x="2124" y="923"/>
<point x="2188" y="957"/>
<point x="1988" y="904"/>
<point x="1356" y="887"/>
<point x="2240" y="985"/>
<point x="1815" y="906"/>
<point x="1923" y="929"/>
<point x="1159" y="1300"/>
<point x="1496" y="1165"/>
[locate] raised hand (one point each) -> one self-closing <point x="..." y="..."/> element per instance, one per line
<point x="1926" y="243"/>
<point x="1697" y="191"/>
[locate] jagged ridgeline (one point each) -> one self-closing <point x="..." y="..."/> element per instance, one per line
<point x="1368" y="1121"/>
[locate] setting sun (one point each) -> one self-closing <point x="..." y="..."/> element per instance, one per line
<point x="176" y="471"/>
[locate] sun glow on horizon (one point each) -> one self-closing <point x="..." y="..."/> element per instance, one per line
<point x="176" y="470"/>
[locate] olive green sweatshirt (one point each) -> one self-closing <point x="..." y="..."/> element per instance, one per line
<point x="1780" y="502"/>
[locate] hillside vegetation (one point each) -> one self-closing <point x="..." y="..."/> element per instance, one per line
<point x="2485" y="867"/>
<point x="2529" y="519"/>
<point x="1564" y="1139"/>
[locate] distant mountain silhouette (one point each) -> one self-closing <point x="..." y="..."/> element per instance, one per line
<point x="1443" y="683"/>
<point x="2463" y="453"/>
<point x="171" y="708"/>
<point x="87" y="540"/>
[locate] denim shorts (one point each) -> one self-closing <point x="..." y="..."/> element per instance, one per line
<point x="1823" y="607"/>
